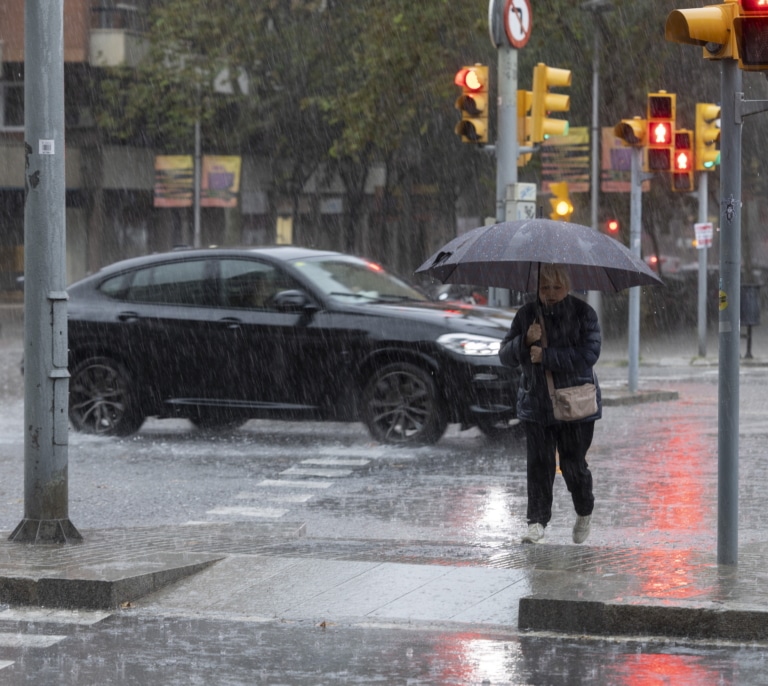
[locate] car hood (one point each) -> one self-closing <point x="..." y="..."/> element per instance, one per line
<point x="453" y="316"/>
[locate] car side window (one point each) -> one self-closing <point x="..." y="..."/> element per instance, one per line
<point x="172" y="283"/>
<point x="252" y="285"/>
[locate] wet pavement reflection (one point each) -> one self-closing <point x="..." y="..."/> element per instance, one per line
<point x="440" y="518"/>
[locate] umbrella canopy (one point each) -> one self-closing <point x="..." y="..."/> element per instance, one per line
<point x="508" y="255"/>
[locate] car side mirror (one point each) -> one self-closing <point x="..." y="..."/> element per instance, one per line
<point x="293" y="301"/>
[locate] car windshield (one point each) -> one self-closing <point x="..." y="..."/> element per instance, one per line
<point x="356" y="280"/>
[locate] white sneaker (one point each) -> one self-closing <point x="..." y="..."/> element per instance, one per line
<point x="535" y="534"/>
<point x="581" y="528"/>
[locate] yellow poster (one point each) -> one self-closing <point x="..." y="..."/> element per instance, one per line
<point x="221" y="181"/>
<point x="284" y="231"/>
<point x="174" y="180"/>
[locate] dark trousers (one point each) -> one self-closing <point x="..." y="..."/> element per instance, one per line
<point x="572" y="441"/>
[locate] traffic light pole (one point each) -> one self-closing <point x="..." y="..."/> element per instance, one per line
<point x="506" y="146"/>
<point x="702" y="304"/>
<point x="635" y="230"/>
<point x="730" y="305"/>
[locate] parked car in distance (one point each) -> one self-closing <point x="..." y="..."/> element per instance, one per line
<point x="220" y="336"/>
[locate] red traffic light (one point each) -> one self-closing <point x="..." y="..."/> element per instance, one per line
<point x="470" y="79"/>
<point x="682" y="161"/>
<point x="659" y="133"/>
<point x="612" y="225"/>
<point x="754" y="6"/>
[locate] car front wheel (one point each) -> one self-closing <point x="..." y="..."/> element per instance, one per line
<point x="401" y="405"/>
<point x="101" y="400"/>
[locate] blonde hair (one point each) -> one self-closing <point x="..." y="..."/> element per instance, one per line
<point x="555" y="274"/>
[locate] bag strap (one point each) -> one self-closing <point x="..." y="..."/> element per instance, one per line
<point x="547" y="372"/>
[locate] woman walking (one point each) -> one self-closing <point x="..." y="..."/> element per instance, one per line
<point x="560" y="334"/>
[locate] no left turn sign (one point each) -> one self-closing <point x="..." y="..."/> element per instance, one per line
<point x="517" y="22"/>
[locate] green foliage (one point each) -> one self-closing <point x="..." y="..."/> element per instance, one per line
<point x="342" y="84"/>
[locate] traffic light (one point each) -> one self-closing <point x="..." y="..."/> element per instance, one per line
<point x="473" y="104"/>
<point x="612" y="227"/>
<point x="711" y="27"/>
<point x="736" y="29"/>
<point x="682" y="172"/>
<point x="751" y="32"/>
<point x="707" y="136"/>
<point x="544" y="102"/>
<point x="632" y="131"/>
<point x="524" y="125"/>
<point x="562" y="207"/>
<point x="661" y="127"/>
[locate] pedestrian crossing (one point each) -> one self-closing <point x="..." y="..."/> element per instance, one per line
<point x="24" y="629"/>
<point x="274" y="498"/>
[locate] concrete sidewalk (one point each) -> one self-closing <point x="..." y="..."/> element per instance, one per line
<point x="263" y="572"/>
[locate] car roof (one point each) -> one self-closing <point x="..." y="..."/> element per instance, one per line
<point x="282" y="253"/>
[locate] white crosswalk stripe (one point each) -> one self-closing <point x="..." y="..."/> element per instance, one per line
<point x="20" y="628"/>
<point x="321" y="472"/>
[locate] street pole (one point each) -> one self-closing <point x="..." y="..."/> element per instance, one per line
<point x="702" y="304"/>
<point x="730" y="305"/>
<point x="594" y="297"/>
<point x="635" y="230"/>
<point x="506" y="134"/>
<point x="197" y="238"/>
<point x="506" y="142"/>
<point x="46" y="379"/>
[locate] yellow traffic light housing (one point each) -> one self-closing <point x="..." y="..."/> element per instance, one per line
<point x="632" y="132"/>
<point x="711" y="27"/>
<point x="682" y="171"/>
<point x="473" y="104"/>
<point x="524" y="125"/>
<point x="707" y="136"/>
<point x="660" y="141"/>
<point x="544" y="102"/>
<point x="562" y="207"/>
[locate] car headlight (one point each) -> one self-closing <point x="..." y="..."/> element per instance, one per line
<point x="470" y="344"/>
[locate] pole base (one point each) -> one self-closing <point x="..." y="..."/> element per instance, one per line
<point x="45" y="531"/>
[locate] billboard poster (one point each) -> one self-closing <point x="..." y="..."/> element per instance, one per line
<point x="220" y="181"/>
<point x="174" y="180"/>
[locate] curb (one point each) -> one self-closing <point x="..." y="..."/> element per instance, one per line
<point x="605" y="618"/>
<point x="98" y="593"/>
<point x="626" y="398"/>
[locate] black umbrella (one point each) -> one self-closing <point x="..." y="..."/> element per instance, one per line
<point x="508" y="255"/>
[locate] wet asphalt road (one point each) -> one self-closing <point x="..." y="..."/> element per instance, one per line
<point x="172" y="651"/>
<point x="652" y="463"/>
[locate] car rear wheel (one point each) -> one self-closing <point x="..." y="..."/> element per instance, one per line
<point x="101" y="400"/>
<point x="401" y="404"/>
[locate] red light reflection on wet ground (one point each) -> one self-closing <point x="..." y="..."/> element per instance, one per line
<point x="648" y="669"/>
<point x="673" y="498"/>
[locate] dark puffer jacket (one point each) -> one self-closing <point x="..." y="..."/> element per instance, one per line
<point x="573" y="347"/>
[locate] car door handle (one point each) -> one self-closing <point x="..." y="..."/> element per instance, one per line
<point x="231" y="322"/>
<point x="128" y="316"/>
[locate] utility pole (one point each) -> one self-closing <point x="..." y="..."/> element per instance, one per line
<point x="46" y="379"/>
<point x="509" y="26"/>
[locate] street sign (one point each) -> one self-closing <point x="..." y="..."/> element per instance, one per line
<point x="704" y="233"/>
<point x="518" y="19"/>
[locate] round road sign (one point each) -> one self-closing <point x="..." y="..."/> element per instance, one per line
<point x="517" y="22"/>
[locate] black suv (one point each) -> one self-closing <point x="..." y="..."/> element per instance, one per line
<point x="220" y="336"/>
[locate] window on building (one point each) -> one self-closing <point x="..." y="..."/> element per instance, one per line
<point x="12" y="105"/>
